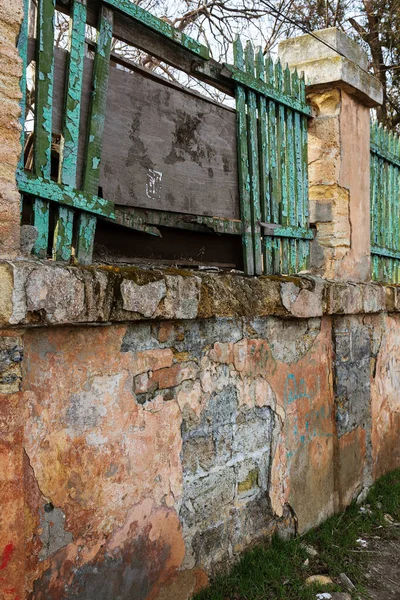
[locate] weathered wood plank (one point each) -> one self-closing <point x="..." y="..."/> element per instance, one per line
<point x="184" y="162"/>
<point x="62" y="245"/>
<point x="243" y="167"/>
<point x="297" y="233"/>
<point x="290" y="169"/>
<point x="282" y="168"/>
<point x="254" y="167"/>
<point x="273" y="175"/>
<point x="267" y="90"/>
<point x="145" y="220"/>
<point x="159" y="26"/>
<point x="72" y="95"/>
<point x="304" y="248"/>
<point x="96" y="121"/>
<point x="43" y="116"/>
<point x="265" y="202"/>
<point x="156" y="44"/>
<point x="97" y="111"/>
<point x="63" y="234"/>
<point x="64" y="194"/>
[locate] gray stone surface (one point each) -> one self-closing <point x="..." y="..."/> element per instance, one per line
<point x="324" y="66"/>
<point x="306" y="47"/>
<point x="352" y="373"/>
<point x="226" y="462"/>
<point x="53" y="536"/>
<point x="143" y="299"/>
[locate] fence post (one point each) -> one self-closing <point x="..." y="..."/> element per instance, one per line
<point x="341" y="92"/>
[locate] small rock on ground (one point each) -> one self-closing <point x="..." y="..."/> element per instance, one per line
<point x="346" y="582"/>
<point x="319" y="579"/>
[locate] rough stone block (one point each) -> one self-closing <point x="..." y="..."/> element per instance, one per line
<point x="323" y="66"/>
<point x="143" y="299"/>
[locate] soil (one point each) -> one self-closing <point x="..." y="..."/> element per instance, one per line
<point x="383" y="572"/>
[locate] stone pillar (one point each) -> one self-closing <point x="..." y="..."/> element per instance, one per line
<point x="11" y="13"/>
<point x="12" y="519"/>
<point x="341" y="91"/>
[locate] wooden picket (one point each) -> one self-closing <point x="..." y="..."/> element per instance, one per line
<point x="385" y="205"/>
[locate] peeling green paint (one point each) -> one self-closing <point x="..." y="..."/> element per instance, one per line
<point x="253" y="163"/>
<point x="267" y="90"/>
<point x="62" y="245"/>
<point x="63" y="234"/>
<point x="64" y="194"/>
<point x="73" y="93"/>
<point x="44" y="88"/>
<point x="143" y="16"/>
<point x="272" y="148"/>
<point x="385" y="202"/>
<point x="85" y="242"/>
<point x="243" y="165"/>
<point x="101" y="67"/>
<point x="43" y="116"/>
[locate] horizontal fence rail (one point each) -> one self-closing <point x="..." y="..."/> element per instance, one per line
<point x="385" y="205"/>
<point x="65" y="201"/>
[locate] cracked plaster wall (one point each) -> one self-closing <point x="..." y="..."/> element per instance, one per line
<point x="154" y="453"/>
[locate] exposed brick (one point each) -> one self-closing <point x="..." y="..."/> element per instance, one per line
<point x="172" y="376"/>
<point x="152" y="360"/>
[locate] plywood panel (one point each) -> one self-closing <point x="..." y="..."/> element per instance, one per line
<point x="164" y="148"/>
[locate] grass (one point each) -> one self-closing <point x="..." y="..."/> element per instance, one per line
<point x="276" y="571"/>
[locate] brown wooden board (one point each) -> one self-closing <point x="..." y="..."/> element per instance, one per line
<point x="164" y="147"/>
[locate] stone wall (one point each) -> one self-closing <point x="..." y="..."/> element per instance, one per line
<point x="11" y="13"/>
<point x="181" y="419"/>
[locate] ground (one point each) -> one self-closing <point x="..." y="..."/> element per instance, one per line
<point x="383" y="572"/>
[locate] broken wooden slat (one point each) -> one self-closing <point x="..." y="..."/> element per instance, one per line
<point x="63" y="234"/>
<point x="43" y="116"/>
<point x="87" y="223"/>
<point x="243" y="166"/>
<point x="62" y="244"/>
<point x="145" y="220"/>
<point x="64" y="194"/>
<point x="297" y="233"/>
<point x="253" y="163"/>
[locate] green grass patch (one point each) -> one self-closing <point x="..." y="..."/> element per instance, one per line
<point x="276" y="570"/>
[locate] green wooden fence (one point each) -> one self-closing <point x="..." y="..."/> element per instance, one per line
<point x="272" y="143"/>
<point x="385" y="205"/>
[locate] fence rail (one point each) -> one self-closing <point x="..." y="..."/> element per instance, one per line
<point x="271" y="114"/>
<point x="385" y="205"/>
